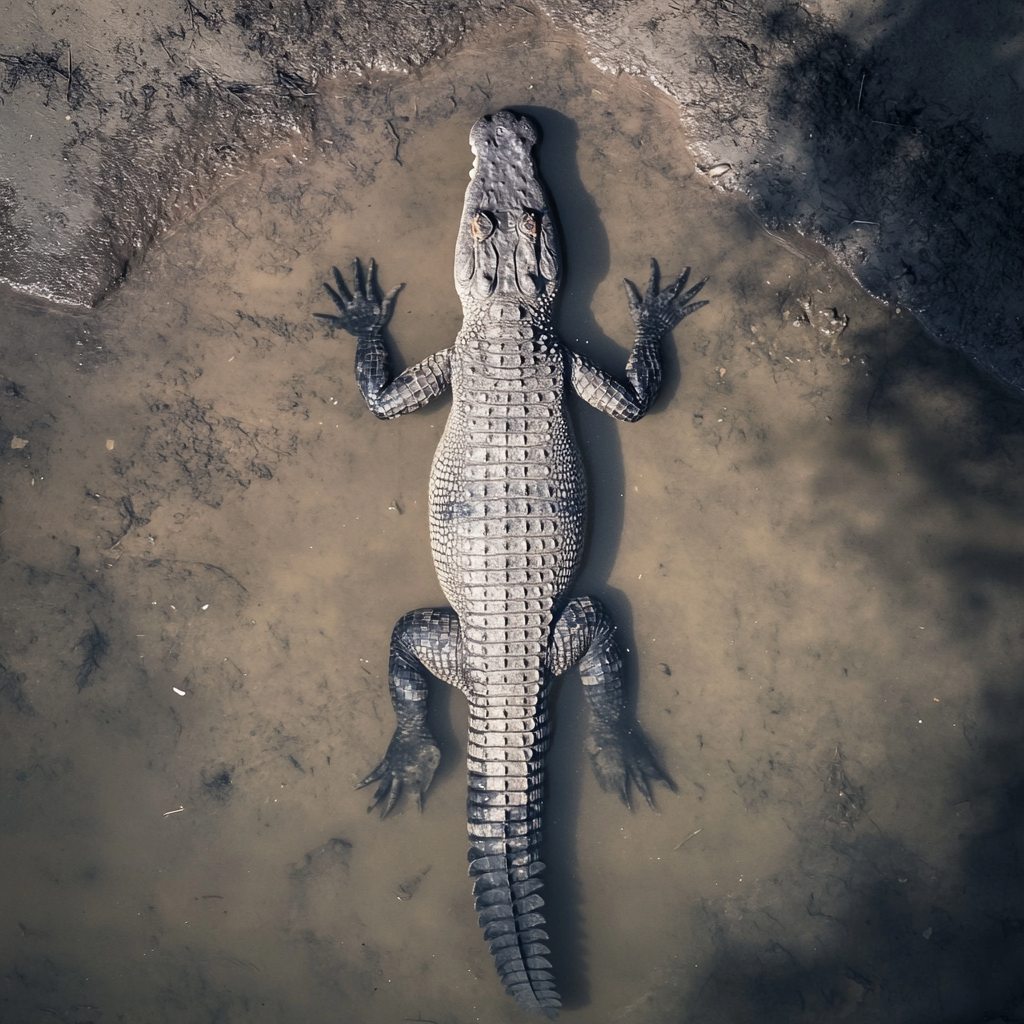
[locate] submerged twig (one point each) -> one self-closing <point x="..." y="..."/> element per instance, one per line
<point x="687" y="839"/>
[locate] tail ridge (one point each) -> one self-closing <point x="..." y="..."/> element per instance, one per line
<point x="507" y="887"/>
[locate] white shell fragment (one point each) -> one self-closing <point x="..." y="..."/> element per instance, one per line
<point x="180" y="693"/>
<point x="718" y="170"/>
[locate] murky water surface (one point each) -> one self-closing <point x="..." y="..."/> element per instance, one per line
<point x="811" y="545"/>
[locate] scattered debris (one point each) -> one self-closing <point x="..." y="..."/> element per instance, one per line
<point x="848" y="798"/>
<point x="408" y="888"/>
<point x="687" y="839"/>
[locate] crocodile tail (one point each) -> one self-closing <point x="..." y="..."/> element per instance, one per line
<point x="506" y="868"/>
<point x="507" y="888"/>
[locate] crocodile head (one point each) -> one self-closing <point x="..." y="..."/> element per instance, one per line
<point x="507" y="251"/>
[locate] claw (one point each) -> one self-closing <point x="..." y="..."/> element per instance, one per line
<point x="385" y="786"/>
<point x="693" y="291"/>
<point x="388" y="302"/>
<point x="641" y="784"/>
<point x="342" y="287"/>
<point x="372" y="777"/>
<point x="692" y="308"/>
<point x="357" y="277"/>
<point x="632" y="295"/>
<point x="335" y="297"/>
<point x="652" y="285"/>
<point x="394" y="793"/>
<point x="673" y="290"/>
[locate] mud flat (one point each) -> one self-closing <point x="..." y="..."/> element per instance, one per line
<point x="811" y="545"/>
<point x="887" y="132"/>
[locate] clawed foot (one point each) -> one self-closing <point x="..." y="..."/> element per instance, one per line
<point x="409" y="764"/>
<point x="366" y="310"/>
<point x="657" y="313"/>
<point x="621" y="757"/>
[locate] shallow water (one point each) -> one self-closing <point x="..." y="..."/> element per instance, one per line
<point x="811" y="546"/>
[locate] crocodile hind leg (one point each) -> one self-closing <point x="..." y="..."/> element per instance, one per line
<point x="584" y="634"/>
<point x="423" y="643"/>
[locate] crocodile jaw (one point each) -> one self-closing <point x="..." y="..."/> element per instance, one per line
<point x="507" y="250"/>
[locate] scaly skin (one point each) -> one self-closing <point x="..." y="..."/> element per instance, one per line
<point x="507" y="519"/>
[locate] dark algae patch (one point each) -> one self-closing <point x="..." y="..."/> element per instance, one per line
<point x="94" y="645"/>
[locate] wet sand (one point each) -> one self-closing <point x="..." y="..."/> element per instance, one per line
<point x="810" y="544"/>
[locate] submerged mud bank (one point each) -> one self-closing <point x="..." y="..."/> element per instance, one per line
<point x="887" y="132"/>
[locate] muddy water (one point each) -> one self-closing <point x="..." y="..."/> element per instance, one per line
<point x="811" y="546"/>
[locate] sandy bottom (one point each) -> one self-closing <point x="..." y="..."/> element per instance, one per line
<point x="811" y="545"/>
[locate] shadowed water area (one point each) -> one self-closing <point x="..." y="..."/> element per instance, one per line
<point x="811" y="546"/>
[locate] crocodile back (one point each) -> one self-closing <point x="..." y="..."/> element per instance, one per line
<point x="507" y="493"/>
<point x="507" y="519"/>
<point x="508" y="513"/>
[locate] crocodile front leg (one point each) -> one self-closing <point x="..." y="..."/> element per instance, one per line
<point x="424" y="642"/>
<point x="654" y="315"/>
<point x="585" y="634"/>
<point x="364" y="315"/>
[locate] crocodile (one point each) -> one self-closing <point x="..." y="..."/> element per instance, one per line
<point x="507" y="504"/>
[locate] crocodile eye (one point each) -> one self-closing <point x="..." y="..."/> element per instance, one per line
<point x="528" y="225"/>
<point x="481" y="226"/>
